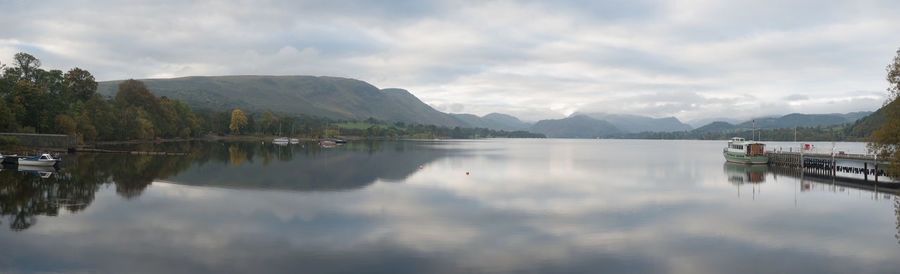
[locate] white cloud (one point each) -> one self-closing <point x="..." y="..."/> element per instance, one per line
<point x="535" y="60"/>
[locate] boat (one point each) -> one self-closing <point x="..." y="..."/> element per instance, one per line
<point x="745" y="152"/>
<point x="327" y="143"/>
<point x="281" y="140"/>
<point x="295" y="141"/>
<point x="42" y="160"/>
<point x="340" y="141"/>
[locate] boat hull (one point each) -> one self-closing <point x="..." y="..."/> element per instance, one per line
<point x="23" y="162"/>
<point x="740" y="158"/>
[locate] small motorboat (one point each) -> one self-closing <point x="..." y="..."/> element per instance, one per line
<point x="43" y="160"/>
<point x="340" y="141"/>
<point x="295" y="141"/>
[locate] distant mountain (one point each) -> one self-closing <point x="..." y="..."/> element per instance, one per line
<point x="716" y="127"/>
<point x="333" y="97"/>
<point x="496" y="121"/>
<point x="803" y="120"/>
<point x="636" y="124"/>
<point x="696" y="123"/>
<point x="577" y="126"/>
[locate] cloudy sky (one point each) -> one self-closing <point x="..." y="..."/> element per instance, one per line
<point x="690" y="59"/>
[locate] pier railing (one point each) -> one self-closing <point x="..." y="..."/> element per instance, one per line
<point x="830" y="164"/>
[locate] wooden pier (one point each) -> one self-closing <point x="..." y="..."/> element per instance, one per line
<point x="830" y="164"/>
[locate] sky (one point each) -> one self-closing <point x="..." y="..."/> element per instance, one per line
<point x="691" y="59"/>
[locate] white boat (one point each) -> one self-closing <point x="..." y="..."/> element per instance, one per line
<point x="43" y="160"/>
<point x="295" y="141"/>
<point x="743" y="151"/>
<point x="282" y="140"/>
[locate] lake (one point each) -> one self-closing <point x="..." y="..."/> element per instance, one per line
<point x="483" y="206"/>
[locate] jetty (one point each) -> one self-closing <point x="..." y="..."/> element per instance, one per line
<point x="835" y="164"/>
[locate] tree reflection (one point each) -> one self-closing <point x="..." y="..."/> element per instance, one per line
<point x="24" y="195"/>
<point x="304" y="167"/>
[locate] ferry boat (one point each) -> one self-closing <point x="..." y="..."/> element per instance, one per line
<point x="745" y="152"/>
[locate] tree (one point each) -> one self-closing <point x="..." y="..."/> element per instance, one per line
<point x="886" y="139"/>
<point x="80" y="83"/>
<point x="65" y="124"/>
<point x="135" y="93"/>
<point x="238" y="121"/>
<point x="26" y="66"/>
<point x="266" y="122"/>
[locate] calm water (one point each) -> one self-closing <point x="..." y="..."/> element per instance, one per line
<point x="544" y="206"/>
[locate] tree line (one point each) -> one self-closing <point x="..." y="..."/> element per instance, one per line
<point x="34" y="100"/>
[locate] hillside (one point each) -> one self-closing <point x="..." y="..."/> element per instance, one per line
<point x="866" y="125"/>
<point x="577" y="126"/>
<point x="333" y="97"/>
<point x="803" y="120"/>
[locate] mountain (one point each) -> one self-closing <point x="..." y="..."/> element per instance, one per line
<point x="636" y="124"/>
<point x="333" y="97"/>
<point x="716" y="127"/>
<point x="696" y="123"/>
<point x="496" y="121"/>
<point x="576" y="126"/>
<point x="803" y="120"/>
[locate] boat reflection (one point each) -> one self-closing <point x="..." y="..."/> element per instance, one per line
<point x="739" y="174"/>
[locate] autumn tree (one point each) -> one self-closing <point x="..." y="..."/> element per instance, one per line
<point x="886" y="139"/>
<point x="80" y="84"/>
<point x="238" y="121"/>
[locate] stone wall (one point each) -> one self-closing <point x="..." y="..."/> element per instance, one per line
<point x="44" y="140"/>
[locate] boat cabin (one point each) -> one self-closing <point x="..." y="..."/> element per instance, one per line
<point x="750" y="148"/>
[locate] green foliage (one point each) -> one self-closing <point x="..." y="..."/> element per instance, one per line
<point x="356" y="125"/>
<point x="65" y="124"/>
<point x="7" y="141"/>
<point x="886" y="139"/>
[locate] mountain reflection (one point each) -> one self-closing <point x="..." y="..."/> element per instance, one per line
<point x="310" y="168"/>
<point x="26" y="193"/>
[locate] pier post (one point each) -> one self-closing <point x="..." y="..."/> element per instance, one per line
<point x="865" y="171"/>
<point x="876" y="173"/>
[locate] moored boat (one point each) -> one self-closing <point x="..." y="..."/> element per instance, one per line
<point x="281" y="140"/>
<point x="327" y="143"/>
<point x="745" y="152"/>
<point x="42" y="160"/>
